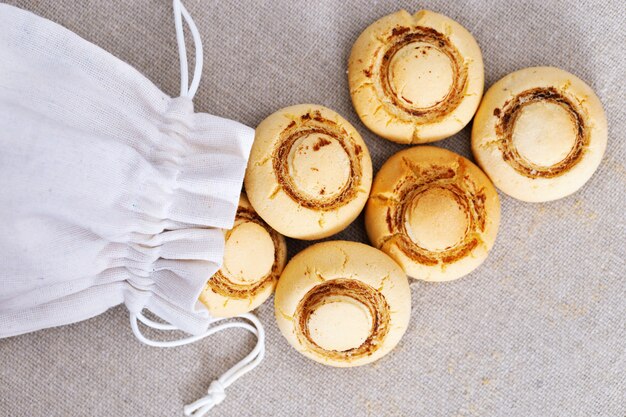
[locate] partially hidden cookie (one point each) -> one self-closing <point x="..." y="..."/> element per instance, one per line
<point x="254" y="257"/>
<point x="309" y="172"/>
<point x="415" y="78"/>
<point x="342" y="303"/>
<point x="539" y="134"/>
<point x="434" y="212"/>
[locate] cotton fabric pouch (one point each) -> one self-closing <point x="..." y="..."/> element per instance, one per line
<point x="110" y="190"/>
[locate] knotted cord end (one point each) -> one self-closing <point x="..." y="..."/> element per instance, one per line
<point x="216" y="394"/>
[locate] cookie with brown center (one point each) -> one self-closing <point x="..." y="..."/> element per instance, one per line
<point x="539" y="134"/>
<point x="254" y="257"/>
<point x="342" y="303"/>
<point x="309" y="172"/>
<point x="434" y="212"/>
<point x="415" y="78"/>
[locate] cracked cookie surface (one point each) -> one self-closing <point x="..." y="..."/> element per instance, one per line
<point x="415" y="78"/>
<point x="540" y="134"/>
<point x="434" y="212"/>
<point x="254" y="257"/>
<point x="342" y="303"/>
<point x="309" y="172"/>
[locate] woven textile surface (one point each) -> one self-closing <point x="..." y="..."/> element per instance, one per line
<point x="538" y="330"/>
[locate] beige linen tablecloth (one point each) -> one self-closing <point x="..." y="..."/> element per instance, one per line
<point x="538" y="330"/>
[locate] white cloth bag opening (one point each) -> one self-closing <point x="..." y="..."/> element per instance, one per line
<point x="110" y="190"/>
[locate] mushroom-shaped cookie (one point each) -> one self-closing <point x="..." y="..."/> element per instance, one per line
<point x="539" y="134"/>
<point x="434" y="212"/>
<point x="254" y="257"/>
<point x="415" y="78"/>
<point x="342" y="303"/>
<point x="309" y="173"/>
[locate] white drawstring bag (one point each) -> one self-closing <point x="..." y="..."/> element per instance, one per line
<point x="110" y="190"/>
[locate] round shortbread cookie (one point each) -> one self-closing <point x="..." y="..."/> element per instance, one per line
<point x="539" y="134"/>
<point x="415" y="78"/>
<point x="342" y="303"/>
<point x="254" y="257"/>
<point x="309" y="173"/>
<point x="434" y="212"/>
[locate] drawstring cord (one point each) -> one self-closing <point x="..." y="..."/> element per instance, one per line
<point x="216" y="392"/>
<point x="181" y="12"/>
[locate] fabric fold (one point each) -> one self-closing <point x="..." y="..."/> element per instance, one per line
<point x="112" y="191"/>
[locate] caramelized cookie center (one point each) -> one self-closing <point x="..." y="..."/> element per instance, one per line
<point x="544" y="133"/>
<point x="318" y="165"/>
<point x="435" y="220"/>
<point x="342" y="319"/>
<point x="341" y="323"/>
<point x="248" y="254"/>
<point x="421" y="75"/>
<point x="535" y="130"/>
